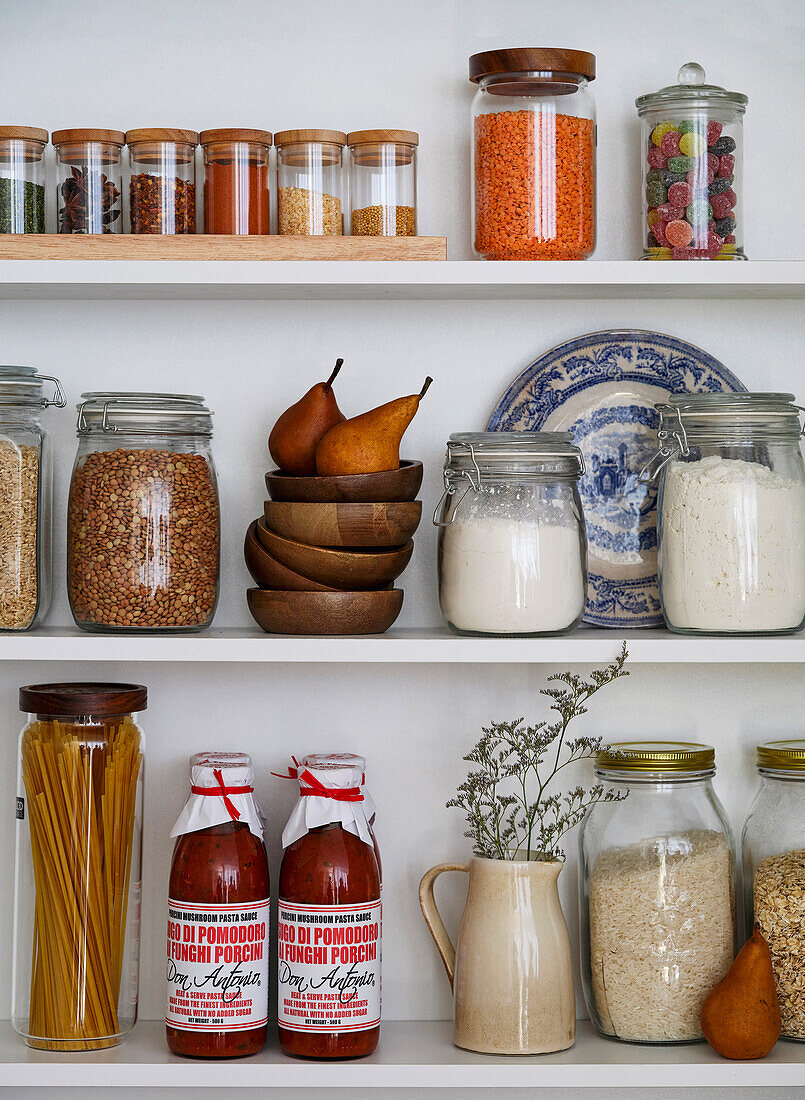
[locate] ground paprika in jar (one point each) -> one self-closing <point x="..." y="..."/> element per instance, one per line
<point x="236" y="197"/>
<point x="218" y="915"/>
<point x="329" y="929"/>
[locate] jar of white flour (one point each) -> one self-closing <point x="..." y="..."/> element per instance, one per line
<point x="512" y="544"/>
<point x="731" y="514"/>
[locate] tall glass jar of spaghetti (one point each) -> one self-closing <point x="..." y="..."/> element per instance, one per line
<point x="218" y="915"/>
<point x="533" y="154"/>
<point x="78" y="854"/>
<point x="329" y="930"/>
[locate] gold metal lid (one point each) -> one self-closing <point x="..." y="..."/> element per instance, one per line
<point x="786" y="756"/>
<point x="656" y="756"/>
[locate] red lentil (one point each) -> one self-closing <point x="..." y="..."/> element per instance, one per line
<point x="534" y="186"/>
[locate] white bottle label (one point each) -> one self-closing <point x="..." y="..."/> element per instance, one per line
<point x="217" y="966"/>
<point x="329" y="966"/>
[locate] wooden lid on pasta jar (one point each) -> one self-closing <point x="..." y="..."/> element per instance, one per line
<point x="82" y="700"/>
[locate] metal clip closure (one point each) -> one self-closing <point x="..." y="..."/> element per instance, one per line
<point x="801" y="408"/>
<point x="667" y="450"/>
<point x="59" y="398"/>
<point x="450" y="479"/>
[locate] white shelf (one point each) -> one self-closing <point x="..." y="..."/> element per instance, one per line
<point x="394" y="280"/>
<point x="410" y="1055"/>
<point x="400" y="646"/>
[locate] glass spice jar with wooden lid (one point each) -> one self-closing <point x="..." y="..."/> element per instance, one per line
<point x="22" y="179"/>
<point x="236" y="189"/>
<point x="162" y="190"/>
<point x="88" y="180"/>
<point x="310" y="182"/>
<point x="382" y="180"/>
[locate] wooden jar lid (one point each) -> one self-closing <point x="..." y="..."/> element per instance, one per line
<point x="253" y="137"/>
<point x="386" y="137"/>
<point x="290" y="137"/>
<point x="79" y="136"/>
<point x="23" y="133"/>
<point x="540" y="60"/>
<point x="83" y="699"/>
<point x="156" y="133"/>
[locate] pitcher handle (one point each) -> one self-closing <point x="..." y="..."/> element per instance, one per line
<point x="433" y="918"/>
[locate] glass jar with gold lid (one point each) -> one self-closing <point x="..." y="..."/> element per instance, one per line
<point x="656" y="892"/>
<point x="773" y="844"/>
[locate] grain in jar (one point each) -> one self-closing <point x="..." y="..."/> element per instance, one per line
<point x="382" y="182"/>
<point x="143" y="522"/>
<point x="310" y="182"/>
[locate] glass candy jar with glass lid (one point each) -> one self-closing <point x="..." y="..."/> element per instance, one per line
<point x="88" y="180"/>
<point x="656" y="892"/>
<point x="774" y="873"/>
<point x="22" y="179"/>
<point x="143" y="520"/>
<point x="731" y="513"/>
<point x="692" y="163"/>
<point x="533" y="154"/>
<point x="77" y="875"/>
<point x="512" y="543"/>
<point x="25" y="496"/>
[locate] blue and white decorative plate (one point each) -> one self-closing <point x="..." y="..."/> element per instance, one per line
<point x="602" y="387"/>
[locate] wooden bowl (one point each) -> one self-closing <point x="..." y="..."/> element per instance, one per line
<point x="345" y="569"/>
<point x="268" y="572"/>
<point x="349" y="525"/>
<point x="388" y="485"/>
<point x="324" y="612"/>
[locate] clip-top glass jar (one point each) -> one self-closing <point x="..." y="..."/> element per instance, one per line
<point x="533" y="154"/>
<point x="22" y="179"/>
<point x="512" y="543"/>
<point x="162" y="189"/>
<point x="656" y="892"/>
<point x="692" y="157"/>
<point x="236" y="181"/>
<point x="143" y="520"/>
<point x="88" y="181"/>
<point x="25" y="496"/>
<point x="774" y="872"/>
<point x="731" y="513"/>
<point x="310" y="182"/>
<point x="382" y="182"/>
<point x="77" y="875"/>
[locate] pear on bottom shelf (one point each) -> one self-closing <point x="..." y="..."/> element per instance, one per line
<point x="741" y="1015"/>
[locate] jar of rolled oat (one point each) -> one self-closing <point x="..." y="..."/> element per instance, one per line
<point x="25" y="496"/>
<point x="143" y="519"/>
<point x="382" y="182"/>
<point x="310" y="182"/>
<point x="774" y="873"/>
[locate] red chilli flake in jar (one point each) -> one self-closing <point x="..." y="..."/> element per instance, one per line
<point x="330" y="928"/>
<point x="218" y="915"/>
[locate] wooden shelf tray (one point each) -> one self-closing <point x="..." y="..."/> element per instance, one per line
<point x="55" y="246"/>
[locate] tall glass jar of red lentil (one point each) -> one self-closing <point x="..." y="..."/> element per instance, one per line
<point x="533" y="154"/>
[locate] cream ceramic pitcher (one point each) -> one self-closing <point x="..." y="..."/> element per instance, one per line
<point x="510" y="970"/>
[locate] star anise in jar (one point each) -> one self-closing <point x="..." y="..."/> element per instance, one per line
<point x="90" y="202"/>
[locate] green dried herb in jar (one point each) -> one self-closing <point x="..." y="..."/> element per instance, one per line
<point x="22" y="179"/>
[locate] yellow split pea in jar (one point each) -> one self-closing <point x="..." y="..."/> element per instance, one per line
<point x="143" y="519"/>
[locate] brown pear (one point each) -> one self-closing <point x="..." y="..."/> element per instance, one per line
<point x="294" y="438"/>
<point x="369" y="443"/>
<point x="741" y="1015"/>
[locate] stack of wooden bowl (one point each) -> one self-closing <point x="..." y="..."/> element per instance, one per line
<point x="327" y="550"/>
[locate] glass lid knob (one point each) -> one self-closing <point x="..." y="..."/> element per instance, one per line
<point x="691" y="73"/>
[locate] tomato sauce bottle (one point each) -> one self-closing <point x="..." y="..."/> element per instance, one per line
<point x="218" y="915"/>
<point x="329" y="929"/>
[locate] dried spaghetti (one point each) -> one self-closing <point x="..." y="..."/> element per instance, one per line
<point x="81" y="788"/>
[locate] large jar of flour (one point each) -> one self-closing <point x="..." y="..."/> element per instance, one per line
<point x="731" y="510"/>
<point x="512" y="545"/>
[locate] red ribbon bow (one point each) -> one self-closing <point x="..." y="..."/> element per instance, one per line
<point x="338" y="794"/>
<point x="224" y="792"/>
<point x="293" y="773"/>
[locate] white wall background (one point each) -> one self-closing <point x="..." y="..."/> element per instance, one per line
<point x="350" y="65"/>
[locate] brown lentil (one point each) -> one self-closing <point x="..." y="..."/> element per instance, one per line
<point x="142" y="540"/>
<point x="19" y="486"/>
<point x="161" y="205"/>
<point x="384" y="221"/>
<point x="309" y="213"/>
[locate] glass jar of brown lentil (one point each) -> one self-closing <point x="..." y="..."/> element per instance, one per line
<point x="143" y="518"/>
<point x="162" y="189"/>
<point x="382" y="182"/>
